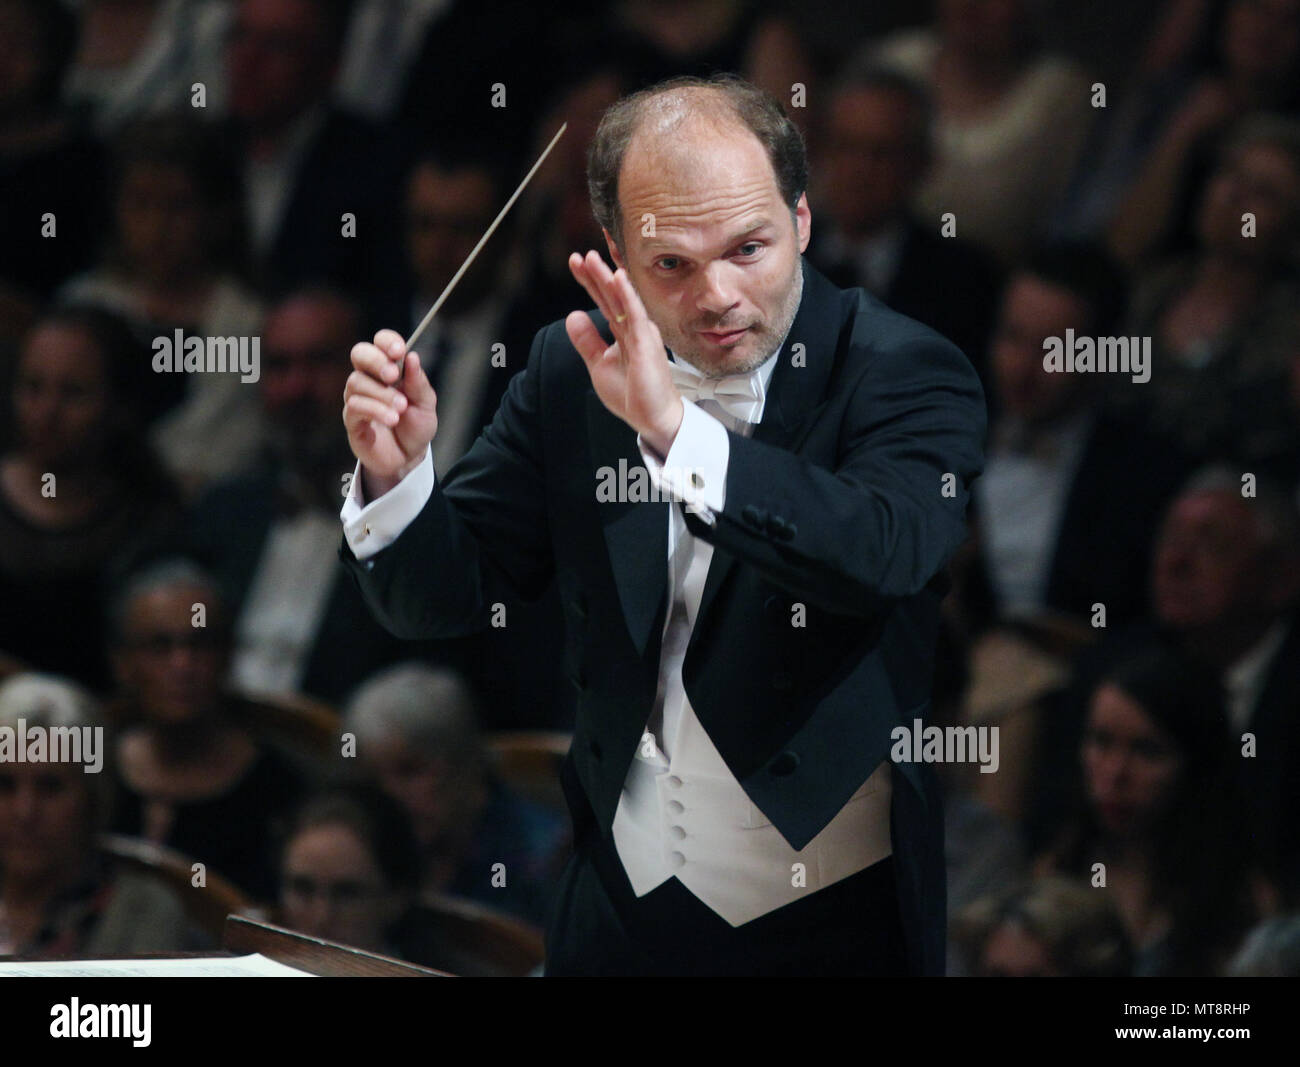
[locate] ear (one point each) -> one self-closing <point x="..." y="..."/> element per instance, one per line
<point x="614" y="253"/>
<point x="803" y="221"/>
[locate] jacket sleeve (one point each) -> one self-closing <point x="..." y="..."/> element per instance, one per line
<point x="884" y="522"/>
<point x="481" y="538"/>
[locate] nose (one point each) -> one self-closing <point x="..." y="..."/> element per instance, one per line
<point x="715" y="294"/>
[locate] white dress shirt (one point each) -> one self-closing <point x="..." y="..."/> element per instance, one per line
<point x="682" y="812"/>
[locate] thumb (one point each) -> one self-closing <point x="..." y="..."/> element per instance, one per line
<point x="415" y="383"/>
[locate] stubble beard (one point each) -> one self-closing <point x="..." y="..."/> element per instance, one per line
<point x="767" y="337"/>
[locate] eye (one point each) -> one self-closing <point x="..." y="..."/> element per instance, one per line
<point x="753" y="245"/>
<point x="667" y="263"/>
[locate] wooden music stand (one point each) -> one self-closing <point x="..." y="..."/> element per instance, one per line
<point x="328" y="959"/>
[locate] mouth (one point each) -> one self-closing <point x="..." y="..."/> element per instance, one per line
<point x="725" y="338"/>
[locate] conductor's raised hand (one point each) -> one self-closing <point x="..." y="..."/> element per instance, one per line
<point x="631" y="376"/>
<point x="390" y="411"/>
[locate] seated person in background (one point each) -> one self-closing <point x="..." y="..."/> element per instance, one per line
<point x="1157" y="814"/>
<point x="190" y="777"/>
<point x="877" y="149"/>
<point x="1226" y="587"/>
<point x="1221" y="320"/>
<point x="46" y="164"/>
<point x="270" y="535"/>
<point x="1050" y="928"/>
<point x="349" y="872"/>
<point x="59" y="895"/>
<point x="1070" y="499"/>
<point x="417" y="735"/>
<point x="1011" y="119"/>
<point x="175" y="260"/>
<point x="1271" y="950"/>
<point x="81" y="494"/>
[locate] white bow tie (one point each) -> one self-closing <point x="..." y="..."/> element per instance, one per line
<point x="740" y="395"/>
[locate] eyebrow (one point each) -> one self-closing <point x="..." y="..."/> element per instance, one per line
<point x="761" y="224"/>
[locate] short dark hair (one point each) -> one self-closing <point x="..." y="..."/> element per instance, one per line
<point x="377" y="820"/>
<point x="1089" y="272"/>
<point x="882" y="79"/>
<point x="757" y="110"/>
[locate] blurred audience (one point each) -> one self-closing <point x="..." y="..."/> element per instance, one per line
<point x="60" y="895"/>
<point x="451" y="199"/>
<point x="1051" y="927"/>
<point x="1222" y="320"/>
<point x="1272" y="950"/>
<point x="271" y="535"/>
<point x="1158" y="827"/>
<point x="321" y="184"/>
<point x="349" y="873"/>
<point x="417" y="735"/>
<point x="1242" y="56"/>
<point x="142" y="57"/>
<point x="191" y="776"/>
<point x="176" y="261"/>
<point x="81" y="494"/>
<point x="1010" y="120"/>
<point x="875" y="151"/>
<point x="1064" y="516"/>
<point x="1226" y="585"/>
<point x="51" y="173"/>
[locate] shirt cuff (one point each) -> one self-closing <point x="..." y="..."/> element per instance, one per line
<point x="695" y="469"/>
<point x="370" y="528"/>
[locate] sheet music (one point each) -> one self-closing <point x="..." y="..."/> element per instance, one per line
<point x="251" y="966"/>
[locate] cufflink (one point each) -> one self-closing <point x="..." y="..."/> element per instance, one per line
<point x="697" y="480"/>
<point x="365" y="530"/>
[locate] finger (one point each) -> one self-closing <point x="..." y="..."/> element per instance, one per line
<point x="415" y="383"/>
<point x="371" y="360"/>
<point x="585" y="272"/>
<point x="393" y="345"/>
<point x="609" y="291"/>
<point x="364" y="408"/>
<point x="585" y="337"/>
<point x="359" y="384"/>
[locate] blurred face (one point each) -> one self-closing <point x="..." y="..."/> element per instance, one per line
<point x="332" y="888"/>
<point x="1033" y="310"/>
<point x="418" y="782"/>
<point x="160" y="219"/>
<point x="1261" y="39"/>
<point x="279" y="61"/>
<point x="21" y="58"/>
<point x="171" y="667"/>
<point x="992" y="28"/>
<point x="45" y="819"/>
<point x="447" y="213"/>
<point x="1013" y="952"/>
<point x="721" y="276"/>
<point x="305" y="365"/>
<point x="1130" y="766"/>
<point x="873" y="158"/>
<point x="61" y="398"/>
<point x="1260" y="179"/>
<point x="1208" y="569"/>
